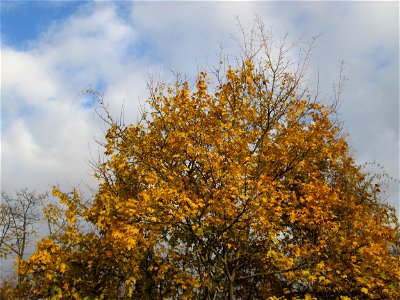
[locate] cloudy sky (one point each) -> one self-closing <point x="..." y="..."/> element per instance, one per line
<point x="51" y="51"/>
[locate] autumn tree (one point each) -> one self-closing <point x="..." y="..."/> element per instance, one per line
<point x="239" y="186"/>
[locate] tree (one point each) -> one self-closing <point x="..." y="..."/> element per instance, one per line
<point x="19" y="216"/>
<point x="241" y="187"/>
<point x="19" y="221"/>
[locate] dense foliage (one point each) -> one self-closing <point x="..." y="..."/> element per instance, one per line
<point x="240" y="187"/>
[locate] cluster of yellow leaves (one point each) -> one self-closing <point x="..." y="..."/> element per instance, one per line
<point x="249" y="190"/>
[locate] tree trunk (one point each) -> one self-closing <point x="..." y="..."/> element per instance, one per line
<point x="231" y="280"/>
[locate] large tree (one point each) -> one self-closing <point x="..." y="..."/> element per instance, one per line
<point x="241" y="186"/>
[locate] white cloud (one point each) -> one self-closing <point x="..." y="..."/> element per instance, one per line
<point x="24" y="81"/>
<point x="46" y="130"/>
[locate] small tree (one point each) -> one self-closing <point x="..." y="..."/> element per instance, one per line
<point x="242" y="188"/>
<point x="19" y="216"/>
<point x="19" y="220"/>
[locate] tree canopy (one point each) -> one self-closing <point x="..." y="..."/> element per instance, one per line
<point x="238" y="186"/>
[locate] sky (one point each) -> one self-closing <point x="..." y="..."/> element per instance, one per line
<point x="53" y="50"/>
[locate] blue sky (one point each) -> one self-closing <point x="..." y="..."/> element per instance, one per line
<point x="24" y="21"/>
<point x="52" y="50"/>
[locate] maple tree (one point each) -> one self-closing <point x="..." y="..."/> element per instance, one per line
<point x="240" y="187"/>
